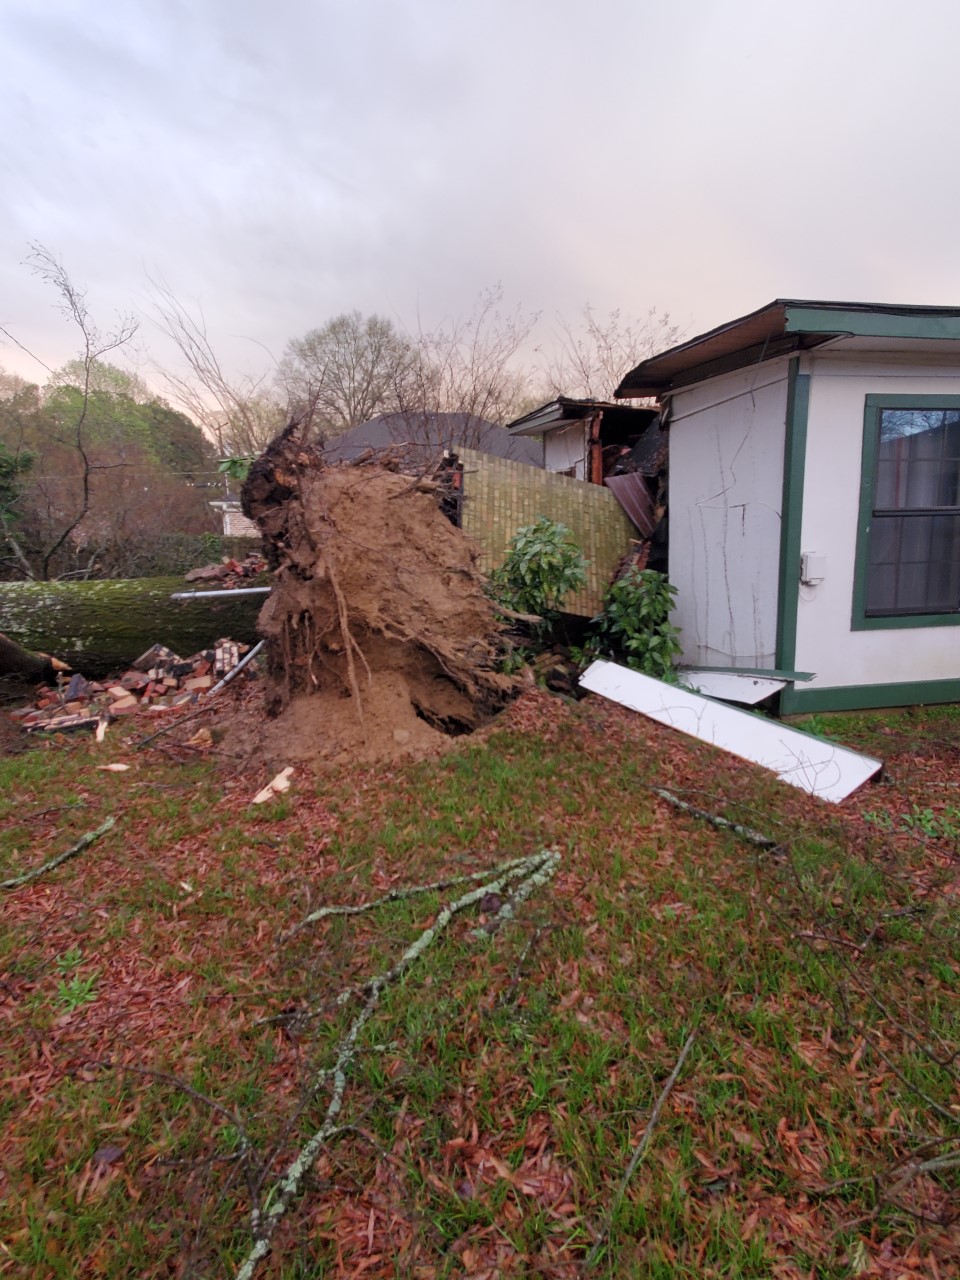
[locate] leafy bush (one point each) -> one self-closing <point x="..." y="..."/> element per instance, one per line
<point x="634" y="625"/>
<point x="543" y="566"/>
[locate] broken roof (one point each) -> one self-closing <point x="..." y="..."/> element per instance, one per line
<point x="567" y="409"/>
<point x="783" y="326"/>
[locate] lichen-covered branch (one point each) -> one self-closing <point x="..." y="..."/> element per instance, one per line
<point x="725" y="824"/>
<point x="72" y="852"/>
<point x="399" y="895"/>
<point x="291" y="1182"/>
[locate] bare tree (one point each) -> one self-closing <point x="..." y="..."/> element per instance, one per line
<point x="470" y="367"/>
<point x="72" y="505"/>
<point x="239" y="413"/>
<point x="351" y="368"/>
<point x="594" y="357"/>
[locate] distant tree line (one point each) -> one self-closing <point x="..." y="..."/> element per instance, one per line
<point x="486" y="365"/>
<point x="94" y="464"/>
<point x="140" y="470"/>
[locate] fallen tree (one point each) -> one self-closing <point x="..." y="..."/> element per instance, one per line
<point x="98" y="626"/>
<point x="379" y="634"/>
<point x="20" y="662"/>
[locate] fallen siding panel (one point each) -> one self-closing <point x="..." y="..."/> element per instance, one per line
<point x="501" y="497"/>
<point x="820" y="768"/>
<point x="731" y="687"/>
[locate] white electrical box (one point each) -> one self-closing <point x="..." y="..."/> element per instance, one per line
<point x="813" y="568"/>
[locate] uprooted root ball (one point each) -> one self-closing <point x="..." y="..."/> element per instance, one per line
<point x="380" y="639"/>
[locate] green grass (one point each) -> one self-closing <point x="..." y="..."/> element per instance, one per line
<point x="502" y="1085"/>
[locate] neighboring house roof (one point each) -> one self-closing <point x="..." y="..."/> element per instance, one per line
<point x="563" y="410"/>
<point x="424" y="434"/>
<point x="784" y="326"/>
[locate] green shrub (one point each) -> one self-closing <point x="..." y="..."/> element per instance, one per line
<point x="543" y="566"/>
<point x="634" y="625"/>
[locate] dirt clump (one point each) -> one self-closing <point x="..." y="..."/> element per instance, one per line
<point x="381" y="641"/>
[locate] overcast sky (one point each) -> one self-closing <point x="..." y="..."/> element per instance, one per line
<point x="282" y="162"/>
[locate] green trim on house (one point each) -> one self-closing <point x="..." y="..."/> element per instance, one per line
<point x="871" y="324"/>
<point x="881" y="401"/>
<point x="863" y="697"/>
<point x="791" y="514"/>
<point x="859" y="619"/>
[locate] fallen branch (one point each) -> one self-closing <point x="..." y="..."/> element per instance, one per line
<point x="738" y="829"/>
<point x="292" y="1181"/>
<point x="939" y="1164"/>
<point x="399" y="895"/>
<point x="72" y="852"/>
<point x="174" y="724"/>
<point x="640" y="1150"/>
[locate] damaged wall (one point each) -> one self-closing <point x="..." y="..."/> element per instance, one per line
<point x="725" y="497"/>
<point x="567" y="450"/>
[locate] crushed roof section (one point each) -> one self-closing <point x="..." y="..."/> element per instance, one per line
<point x="566" y="409"/>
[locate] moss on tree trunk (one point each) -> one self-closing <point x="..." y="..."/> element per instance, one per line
<point x="99" y="626"/>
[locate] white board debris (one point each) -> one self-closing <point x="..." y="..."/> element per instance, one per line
<point x="818" y="767"/>
<point x="731" y="686"/>
<point x="275" y="787"/>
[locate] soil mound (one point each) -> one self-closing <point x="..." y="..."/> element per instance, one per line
<point x="380" y="639"/>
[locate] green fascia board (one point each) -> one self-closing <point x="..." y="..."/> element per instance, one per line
<point x="865" y="697"/>
<point x="791" y="514"/>
<point x="872" y="324"/>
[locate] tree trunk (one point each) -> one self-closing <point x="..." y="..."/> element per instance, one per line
<point x="17" y="661"/>
<point x="97" y="627"/>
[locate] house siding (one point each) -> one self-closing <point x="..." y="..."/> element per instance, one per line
<point x="826" y="642"/>
<point x="725" y="498"/>
<point x="567" y="448"/>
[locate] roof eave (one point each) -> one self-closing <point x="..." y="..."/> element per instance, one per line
<point x="783" y="325"/>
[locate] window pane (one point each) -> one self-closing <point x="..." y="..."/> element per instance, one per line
<point x="914" y="564"/>
<point x="918" y="461"/>
<point x="949" y="482"/>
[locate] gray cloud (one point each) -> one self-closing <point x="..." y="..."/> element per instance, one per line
<point x="283" y="162"/>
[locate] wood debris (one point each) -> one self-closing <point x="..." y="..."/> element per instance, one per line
<point x="230" y="572"/>
<point x="159" y="681"/>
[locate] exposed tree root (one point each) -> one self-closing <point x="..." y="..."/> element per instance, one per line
<point x="538" y="868"/>
<point x="378" y="615"/>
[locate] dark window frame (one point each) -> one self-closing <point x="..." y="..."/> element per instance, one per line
<point x="862" y="620"/>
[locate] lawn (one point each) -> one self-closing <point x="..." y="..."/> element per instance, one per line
<point x="773" y="1031"/>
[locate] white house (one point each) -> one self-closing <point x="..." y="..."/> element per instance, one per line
<point x="814" y="498"/>
<point x="235" y="523"/>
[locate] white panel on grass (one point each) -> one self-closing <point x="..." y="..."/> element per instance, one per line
<point x="731" y="686"/>
<point x="815" y="766"/>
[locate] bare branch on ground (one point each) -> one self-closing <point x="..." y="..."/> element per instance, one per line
<point x="17" y="881"/>
<point x="291" y="1182"/>
<point x="640" y="1150"/>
